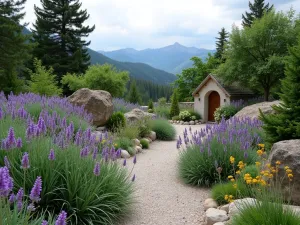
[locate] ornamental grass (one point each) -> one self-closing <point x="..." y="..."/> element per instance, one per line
<point x="73" y="172"/>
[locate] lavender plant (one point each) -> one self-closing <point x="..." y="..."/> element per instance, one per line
<point x="120" y="105"/>
<point x="204" y="154"/>
<point x="79" y="168"/>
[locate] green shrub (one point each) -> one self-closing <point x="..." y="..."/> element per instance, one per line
<point x="194" y="115"/>
<point x="175" y="118"/>
<point x="150" y="104"/>
<point x="164" y="130"/>
<point x="185" y="116"/>
<point x="116" y="121"/>
<point x="124" y="143"/>
<point x="43" y="81"/>
<point x="144" y="127"/>
<point x="226" y="111"/>
<point x="131" y="151"/>
<point x="162" y="101"/>
<point x="144" y="143"/>
<point x="150" y="110"/>
<point x="174" y="111"/>
<point x="130" y="131"/>
<point x="163" y="112"/>
<point x="219" y="191"/>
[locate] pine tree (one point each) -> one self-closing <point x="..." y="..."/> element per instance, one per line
<point x="174" y="111"/>
<point x="59" y="34"/>
<point x="221" y="43"/>
<point x="257" y="10"/>
<point x="285" y="123"/>
<point x="133" y="95"/>
<point x="14" y="49"/>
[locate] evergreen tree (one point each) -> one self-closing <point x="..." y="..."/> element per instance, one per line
<point x="221" y="43"/>
<point x="58" y="32"/>
<point x="133" y="95"/>
<point x="285" y="123"/>
<point x="150" y="106"/>
<point x="174" y="111"/>
<point x="257" y="10"/>
<point x="14" y="49"/>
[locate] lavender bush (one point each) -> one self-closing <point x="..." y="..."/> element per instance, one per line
<point x="69" y="167"/>
<point x="120" y="105"/>
<point x="204" y="154"/>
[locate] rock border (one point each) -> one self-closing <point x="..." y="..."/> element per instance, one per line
<point x="180" y="122"/>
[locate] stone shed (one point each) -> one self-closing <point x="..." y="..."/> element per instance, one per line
<point x="213" y="93"/>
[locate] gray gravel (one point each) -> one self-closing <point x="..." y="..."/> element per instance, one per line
<point x="161" y="197"/>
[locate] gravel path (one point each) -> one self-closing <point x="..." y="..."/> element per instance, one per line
<point x="162" y="198"/>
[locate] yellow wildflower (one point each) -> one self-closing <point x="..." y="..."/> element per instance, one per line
<point x="232" y="180"/>
<point x="261" y="145"/>
<point x="278" y="162"/>
<point x="290" y="175"/>
<point x="238" y="172"/>
<point x="259" y="152"/>
<point x="230" y="177"/>
<point x="254" y="181"/>
<point x="288" y="171"/>
<point x="235" y="186"/>
<point x="232" y="159"/>
<point x="286" y="167"/>
<point x="258" y="163"/>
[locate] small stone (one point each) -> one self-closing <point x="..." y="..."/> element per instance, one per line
<point x="138" y="149"/>
<point x="101" y="129"/>
<point x="186" y="123"/>
<point x="136" y="142"/>
<point x="225" y="208"/>
<point x="238" y="204"/>
<point x="213" y="216"/>
<point x="196" y="121"/>
<point x="125" y="154"/>
<point x="192" y="123"/>
<point x="181" y="122"/>
<point x="210" y="203"/>
<point x="152" y="135"/>
<point x="219" y="223"/>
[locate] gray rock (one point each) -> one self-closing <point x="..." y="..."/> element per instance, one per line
<point x="101" y="129"/>
<point x="137" y="114"/>
<point x="138" y="149"/>
<point x="239" y="204"/>
<point x="136" y="142"/>
<point x="152" y="135"/>
<point x="252" y="111"/>
<point x="192" y="123"/>
<point x="125" y="154"/>
<point x="225" y="208"/>
<point x="96" y="102"/>
<point x="219" y="223"/>
<point x="213" y="216"/>
<point x="288" y="153"/>
<point x="210" y="203"/>
<point x="186" y="123"/>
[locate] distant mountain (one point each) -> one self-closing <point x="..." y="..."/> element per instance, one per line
<point x="173" y="58"/>
<point x="139" y="71"/>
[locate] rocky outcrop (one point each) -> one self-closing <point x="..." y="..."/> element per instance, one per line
<point x="137" y="114"/>
<point x="252" y="111"/>
<point x="213" y="216"/>
<point x="288" y="153"/>
<point x="97" y="102"/>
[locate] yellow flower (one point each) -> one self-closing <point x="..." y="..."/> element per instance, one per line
<point x="232" y="180"/>
<point x="290" y="175"/>
<point x="270" y="175"/>
<point x="230" y="177"/>
<point x="269" y="165"/>
<point x="259" y="152"/>
<point x="254" y="181"/>
<point x="261" y="145"/>
<point x="248" y="181"/>
<point x="288" y="171"/>
<point x="278" y="162"/>
<point x="235" y="186"/>
<point x="263" y="182"/>
<point x="238" y="172"/>
<point x="286" y="167"/>
<point x="232" y="159"/>
<point x="226" y="197"/>
<point x="258" y="163"/>
<point x="115" y="145"/>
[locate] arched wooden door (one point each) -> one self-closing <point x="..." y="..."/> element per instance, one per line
<point x="214" y="102"/>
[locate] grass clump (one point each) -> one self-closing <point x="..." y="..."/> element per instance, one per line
<point x="144" y="143"/>
<point x="124" y="143"/>
<point x="116" y="121"/>
<point x="163" y="129"/>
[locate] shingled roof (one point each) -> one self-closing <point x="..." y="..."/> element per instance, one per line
<point x="231" y="90"/>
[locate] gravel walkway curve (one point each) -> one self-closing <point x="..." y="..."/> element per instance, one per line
<point x="162" y="199"/>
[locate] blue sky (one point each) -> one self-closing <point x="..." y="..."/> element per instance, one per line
<point x="144" y="24"/>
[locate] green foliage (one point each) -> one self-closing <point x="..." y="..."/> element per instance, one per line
<point x="43" y="81"/>
<point x="265" y="212"/>
<point x="220" y="190"/>
<point x="185" y="115"/>
<point x="221" y="44"/>
<point x="162" y="101"/>
<point x="62" y="44"/>
<point x="163" y="129"/>
<point x="255" y="57"/>
<point x="131" y="131"/>
<point x="176" y="118"/>
<point x="190" y="78"/>
<point x="194" y="115"/>
<point x="150" y="111"/>
<point x="226" y="111"/>
<point x="144" y="127"/>
<point x="257" y="10"/>
<point x="14" y="49"/>
<point x="150" y="106"/>
<point x="144" y="143"/>
<point x="134" y="95"/>
<point x="116" y="121"/>
<point x="163" y="112"/>
<point x="174" y="111"/>
<point x="124" y="143"/>
<point x="99" y="77"/>
<point x="285" y="123"/>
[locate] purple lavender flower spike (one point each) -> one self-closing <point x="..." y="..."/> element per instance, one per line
<point x="12" y="198"/>
<point x="84" y="152"/>
<point x="133" y="178"/>
<point x="97" y="169"/>
<point x="51" y="155"/>
<point x="25" y="161"/>
<point x="44" y="222"/>
<point x="6" y="182"/>
<point x="19" y="143"/>
<point x="4" y="144"/>
<point x="61" y="219"/>
<point x="95" y="153"/>
<point x="1" y="113"/>
<point x="134" y="160"/>
<point x="20" y="194"/>
<point x="124" y="162"/>
<point x="19" y="205"/>
<point x="36" y="190"/>
<point x="11" y="138"/>
<point x="6" y="162"/>
<point x="30" y="207"/>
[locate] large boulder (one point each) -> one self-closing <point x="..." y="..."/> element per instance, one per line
<point x="288" y="153"/>
<point x="252" y="111"/>
<point x="98" y="103"/>
<point x="137" y="114"/>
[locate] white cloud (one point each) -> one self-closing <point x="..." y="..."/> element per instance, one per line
<point x="156" y="23"/>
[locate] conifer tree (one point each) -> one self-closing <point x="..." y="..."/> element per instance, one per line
<point x="150" y="106"/>
<point x="257" y="10"/>
<point x="174" y="111"/>
<point x="285" y="123"/>
<point x="221" y="43"/>
<point x="13" y="46"/>
<point x="59" y="33"/>
<point x="133" y="95"/>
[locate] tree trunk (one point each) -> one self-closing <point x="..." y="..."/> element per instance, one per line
<point x="266" y="94"/>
